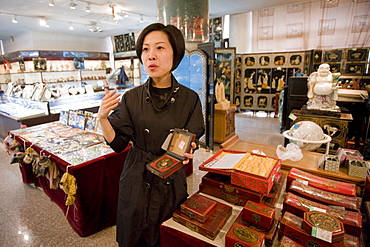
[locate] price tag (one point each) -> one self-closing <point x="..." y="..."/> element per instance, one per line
<point x="312" y="208"/>
<point x="321" y="234"/>
<point x="302" y="181"/>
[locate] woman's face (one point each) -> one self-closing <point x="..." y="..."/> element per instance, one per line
<point x="157" y="54"/>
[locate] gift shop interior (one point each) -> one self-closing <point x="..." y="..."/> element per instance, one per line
<point x="284" y="88"/>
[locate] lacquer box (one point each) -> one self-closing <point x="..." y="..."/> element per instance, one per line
<point x="344" y="154"/>
<point x="240" y="235"/>
<point x="212" y="226"/>
<point x="176" y="145"/>
<point x="291" y="227"/>
<point x="321" y="183"/>
<point x="198" y="207"/>
<point x="270" y="234"/>
<point x="285" y="241"/>
<point x="258" y="214"/>
<point x="322" y="196"/>
<point x="297" y="205"/>
<point x="220" y="186"/>
<point x="357" y="168"/>
<point x="315" y="222"/>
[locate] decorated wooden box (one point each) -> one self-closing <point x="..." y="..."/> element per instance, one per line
<point x="357" y="168"/>
<point x="291" y="227"/>
<point x="220" y="186"/>
<point x="323" y="226"/>
<point x="285" y="241"/>
<point x="176" y="145"/>
<point x="212" y="226"/>
<point x="258" y="214"/>
<point x="271" y="198"/>
<point x="366" y="194"/>
<point x="270" y="234"/>
<point x="344" y="154"/>
<point x="256" y="172"/>
<point x="198" y="207"/>
<point x="321" y="183"/>
<point x="322" y="196"/>
<point x="297" y="205"/>
<point x="240" y="235"/>
<point x="248" y="170"/>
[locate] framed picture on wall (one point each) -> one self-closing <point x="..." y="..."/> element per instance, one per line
<point x="333" y="56"/>
<point x="317" y="56"/>
<point x="225" y="70"/>
<point x="357" y="55"/>
<point x="355" y="68"/>
<point x="335" y="68"/>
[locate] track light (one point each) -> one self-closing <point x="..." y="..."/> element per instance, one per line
<point x="126" y="15"/>
<point x="14" y="20"/>
<point x="71" y="27"/>
<point x="72" y="5"/>
<point x="88" y="10"/>
<point x="141" y="19"/>
<point x="51" y="3"/>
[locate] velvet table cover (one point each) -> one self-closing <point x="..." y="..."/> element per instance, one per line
<point x="95" y="206"/>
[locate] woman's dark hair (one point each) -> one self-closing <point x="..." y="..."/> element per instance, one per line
<point x="174" y="36"/>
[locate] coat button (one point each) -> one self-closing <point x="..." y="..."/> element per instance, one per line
<point x="147" y="185"/>
<point x="168" y="183"/>
<point x="147" y="131"/>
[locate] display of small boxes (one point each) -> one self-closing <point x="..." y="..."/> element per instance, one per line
<point x="198" y="207"/>
<point x="285" y="241"/>
<point x="212" y="226"/>
<point x="329" y="162"/>
<point x="315" y="222"/>
<point x="344" y="154"/>
<point x="176" y="145"/>
<point x="357" y="168"/>
<point x="259" y="214"/>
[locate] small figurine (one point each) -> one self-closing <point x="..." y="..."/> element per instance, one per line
<point x="322" y="90"/>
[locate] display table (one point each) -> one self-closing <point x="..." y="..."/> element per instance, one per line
<point x="95" y="206"/>
<point x="308" y="163"/>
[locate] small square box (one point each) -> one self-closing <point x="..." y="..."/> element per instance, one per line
<point x="330" y="163"/>
<point x="344" y="154"/>
<point x="240" y="235"/>
<point x="259" y="214"/>
<point x="176" y="145"/>
<point x="198" y="207"/>
<point x="357" y="168"/>
<point x="315" y="221"/>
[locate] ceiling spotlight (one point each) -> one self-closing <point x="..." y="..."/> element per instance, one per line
<point x="70" y="27"/>
<point x="43" y="22"/>
<point x="14" y="20"/>
<point x="51" y="3"/>
<point x="141" y="19"/>
<point x="126" y="15"/>
<point x="88" y="10"/>
<point x="72" y="5"/>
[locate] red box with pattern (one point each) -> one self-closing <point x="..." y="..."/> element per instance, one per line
<point x="258" y="214"/>
<point x="285" y="241"/>
<point x="198" y="207"/>
<point x="240" y="235"/>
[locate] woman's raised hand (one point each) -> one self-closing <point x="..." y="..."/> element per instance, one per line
<point x="108" y="103"/>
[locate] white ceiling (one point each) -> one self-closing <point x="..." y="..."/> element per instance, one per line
<point x="60" y="17"/>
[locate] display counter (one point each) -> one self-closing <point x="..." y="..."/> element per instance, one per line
<point x="308" y="163"/>
<point x="95" y="205"/>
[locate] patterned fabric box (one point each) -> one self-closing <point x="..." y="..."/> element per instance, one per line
<point x="357" y="168"/>
<point x="329" y="163"/>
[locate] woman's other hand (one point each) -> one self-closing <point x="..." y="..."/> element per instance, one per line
<point x="190" y="155"/>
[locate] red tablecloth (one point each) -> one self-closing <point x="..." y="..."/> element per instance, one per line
<point x="95" y="206"/>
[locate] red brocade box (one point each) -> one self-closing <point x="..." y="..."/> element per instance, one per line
<point x="258" y="214"/>
<point x="352" y="221"/>
<point x="322" y="196"/>
<point x="285" y="241"/>
<point x="327" y="184"/>
<point x="252" y="171"/>
<point x="198" y="207"/>
<point x="176" y="145"/>
<point x="212" y="226"/>
<point x="291" y="227"/>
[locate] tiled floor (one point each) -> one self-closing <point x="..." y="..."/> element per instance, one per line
<point x="29" y="218"/>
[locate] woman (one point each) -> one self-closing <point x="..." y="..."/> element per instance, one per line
<point x="145" y="115"/>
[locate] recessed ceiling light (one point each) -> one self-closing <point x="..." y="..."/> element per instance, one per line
<point x="14" y="20"/>
<point x="51" y="3"/>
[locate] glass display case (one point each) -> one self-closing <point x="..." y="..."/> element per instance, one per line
<point x="19" y="109"/>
